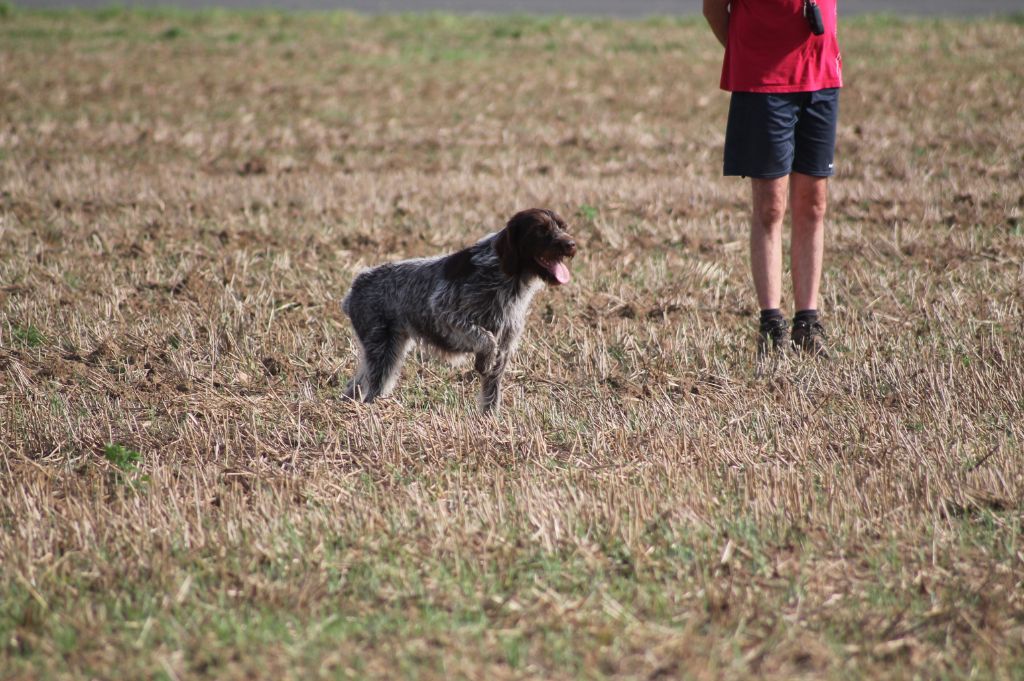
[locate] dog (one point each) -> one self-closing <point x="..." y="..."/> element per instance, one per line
<point x="473" y="302"/>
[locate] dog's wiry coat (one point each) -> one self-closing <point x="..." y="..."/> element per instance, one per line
<point x="473" y="302"/>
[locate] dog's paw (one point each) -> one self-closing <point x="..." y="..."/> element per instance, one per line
<point x="487" y="352"/>
<point x="490" y="343"/>
<point x="492" y="365"/>
<point x="485" y="362"/>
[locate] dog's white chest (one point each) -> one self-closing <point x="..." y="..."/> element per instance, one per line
<point x="519" y="306"/>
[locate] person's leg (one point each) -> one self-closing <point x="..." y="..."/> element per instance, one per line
<point x="807" y="199"/>
<point x="769" y="210"/>
<point x="813" y="164"/>
<point x="759" y="144"/>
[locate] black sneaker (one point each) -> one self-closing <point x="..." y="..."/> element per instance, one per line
<point x="772" y="336"/>
<point x="809" y="338"/>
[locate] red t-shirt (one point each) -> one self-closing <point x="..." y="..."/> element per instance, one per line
<point x="770" y="48"/>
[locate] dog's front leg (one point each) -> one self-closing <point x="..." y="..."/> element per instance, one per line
<point x="468" y="336"/>
<point x="486" y="361"/>
<point x="490" y="361"/>
<point x="490" y="392"/>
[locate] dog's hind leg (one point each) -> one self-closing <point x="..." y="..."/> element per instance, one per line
<point x="391" y="366"/>
<point x="380" y="365"/>
<point x="354" y="390"/>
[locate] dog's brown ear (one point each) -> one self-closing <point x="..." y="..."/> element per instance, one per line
<point x="507" y="248"/>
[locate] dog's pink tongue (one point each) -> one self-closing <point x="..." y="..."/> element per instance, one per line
<point x="561" y="272"/>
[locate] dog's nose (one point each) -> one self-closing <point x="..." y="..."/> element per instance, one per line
<point x="571" y="247"/>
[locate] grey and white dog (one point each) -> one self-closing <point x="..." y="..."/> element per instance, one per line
<point x="473" y="302"/>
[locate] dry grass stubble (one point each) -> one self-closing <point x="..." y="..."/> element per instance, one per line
<point x="183" y="200"/>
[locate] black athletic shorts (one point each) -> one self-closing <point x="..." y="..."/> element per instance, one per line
<point x="771" y="135"/>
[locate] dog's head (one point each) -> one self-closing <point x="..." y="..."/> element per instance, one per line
<point x="535" y="243"/>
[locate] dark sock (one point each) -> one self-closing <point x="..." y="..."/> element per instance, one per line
<point x="769" y="315"/>
<point x="809" y="316"/>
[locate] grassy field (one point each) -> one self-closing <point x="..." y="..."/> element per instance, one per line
<point x="184" y="199"/>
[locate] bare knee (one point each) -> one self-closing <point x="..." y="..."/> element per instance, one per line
<point x="811" y="211"/>
<point x="769" y="217"/>
<point x="769" y="204"/>
<point x="809" y="199"/>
